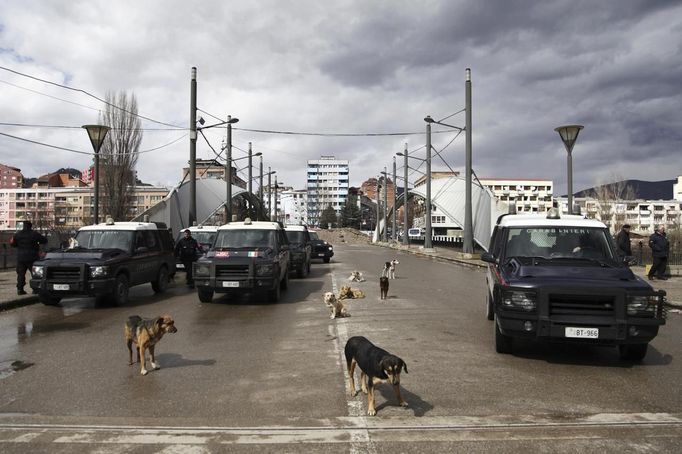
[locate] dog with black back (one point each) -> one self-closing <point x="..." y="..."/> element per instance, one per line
<point x="376" y="366"/>
<point x="383" y="287"/>
<point x="145" y="334"/>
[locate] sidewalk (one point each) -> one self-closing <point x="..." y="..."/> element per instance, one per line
<point x="672" y="286"/>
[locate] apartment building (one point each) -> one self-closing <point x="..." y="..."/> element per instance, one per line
<point x="527" y="195"/>
<point x="210" y="168"/>
<point x="293" y="206"/>
<point x="10" y="177"/>
<point x="327" y="184"/>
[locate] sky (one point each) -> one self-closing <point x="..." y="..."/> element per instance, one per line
<point x="354" y="80"/>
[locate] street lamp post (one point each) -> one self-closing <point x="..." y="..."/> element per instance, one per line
<point x="228" y="169"/>
<point x="260" y="182"/>
<point x="250" y="185"/>
<point x="428" y="234"/>
<point x="376" y="228"/>
<point x="405" y="227"/>
<point x="193" y="148"/>
<point x="276" y="219"/>
<point x="97" y="134"/>
<point x="468" y="246"/>
<point x="394" y="232"/>
<point x="569" y="134"/>
<point x="384" y="236"/>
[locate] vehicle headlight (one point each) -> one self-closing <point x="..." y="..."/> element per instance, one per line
<point x="37" y="271"/>
<point x="331" y="248"/>
<point x="642" y="305"/>
<point x="202" y="269"/>
<point x="525" y="301"/>
<point x="99" y="271"/>
<point x="264" y="270"/>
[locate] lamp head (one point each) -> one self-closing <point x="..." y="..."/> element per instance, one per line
<point x="428" y="119"/>
<point x="569" y="134"/>
<point x="231" y="120"/>
<point x="97" y="134"/>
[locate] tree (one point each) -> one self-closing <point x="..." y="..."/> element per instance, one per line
<point x="328" y="218"/>
<point x="350" y="213"/>
<point x="119" y="153"/>
<point x="608" y="195"/>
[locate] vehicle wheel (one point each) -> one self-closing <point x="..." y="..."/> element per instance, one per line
<point x="161" y="283"/>
<point x="205" y="295"/>
<point x="120" y="295"/>
<point x="326" y="259"/>
<point x="303" y="271"/>
<point x="503" y="343"/>
<point x="284" y="283"/>
<point x="275" y="293"/>
<point x="49" y="300"/>
<point x="489" y="311"/>
<point x="632" y="352"/>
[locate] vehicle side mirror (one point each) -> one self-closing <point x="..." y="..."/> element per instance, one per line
<point x="488" y="257"/>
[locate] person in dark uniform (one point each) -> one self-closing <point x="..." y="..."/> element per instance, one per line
<point x="188" y="250"/>
<point x="27" y="241"/>
<point x="623" y="241"/>
<point x="660" y="247"/>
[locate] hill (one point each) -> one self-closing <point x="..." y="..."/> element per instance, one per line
<point x="647" y="190"/>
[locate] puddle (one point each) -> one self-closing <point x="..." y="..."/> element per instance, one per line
<point x="8" y="368"/>
<point x="28" y="329"/>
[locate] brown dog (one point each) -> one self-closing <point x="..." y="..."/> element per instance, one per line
<point x="145" y="333"/>
<point x="383" y="287"/>
<point x="335" y="305"/>
<point x="347" y="292"/>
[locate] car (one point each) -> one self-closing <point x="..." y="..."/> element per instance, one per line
<point x="300" y="248"/>
<point x="205" y="236"/>
<point x="105" y="260"/>
<point x="321" y="248"/>
<point x="559" y="278"/>
<point x="246" y="257"/>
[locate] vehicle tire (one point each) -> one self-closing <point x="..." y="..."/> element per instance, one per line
<point x="284" y="283"/>
<point x="275" y="293"/>
<point x="304" y="270"/>
<point x="119" y="296"/>
<point x="326" y="259"/>
<point x="205" y="295"/>
<point x="49" y="300"/>
<point x="503" y="343"/>
<point x="489" y="311"/>
<point x="161" y="283"/>
<point x="632" y="352"/>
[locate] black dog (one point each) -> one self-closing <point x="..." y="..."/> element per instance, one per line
<point x="383" y="287"/>
<point x="377" y="365"/>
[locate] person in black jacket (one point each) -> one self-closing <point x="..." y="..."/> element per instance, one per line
<point x="188" y="250"/>
<point x="660" y="248"/>
<point x="623" y="241"/>
<point x="27" y="241"/>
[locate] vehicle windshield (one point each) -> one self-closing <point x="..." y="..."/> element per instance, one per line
<point x="247" y="238"/>
<point x="203" y="238"/>
<point x="295" y="236"/>
<point x="314" y="236"/>
<point x="559" y="243"/>
<point x="104" y="239"/>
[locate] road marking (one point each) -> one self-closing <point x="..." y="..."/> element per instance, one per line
<point x="356" y="430"/>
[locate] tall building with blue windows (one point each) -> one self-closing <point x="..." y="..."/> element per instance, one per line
<point x="327" y="184"/>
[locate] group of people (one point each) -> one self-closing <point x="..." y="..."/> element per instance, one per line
<point x="660" y="248"/>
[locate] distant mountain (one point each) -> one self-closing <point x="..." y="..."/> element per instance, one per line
<point x="647" y="190"/>
<point x="73" y="172"/>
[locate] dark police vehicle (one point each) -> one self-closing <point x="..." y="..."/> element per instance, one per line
<point x="105" y="260"/>
<point x="249" y="256"/>
<point x="559" y="278"/>
<point x="321" y="248"/>
<point x="300" y="248"/>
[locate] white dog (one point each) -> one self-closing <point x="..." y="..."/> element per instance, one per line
<point x="336" y="307"/>
<point x="356" y="276"/>
<point x="389" y="269"/>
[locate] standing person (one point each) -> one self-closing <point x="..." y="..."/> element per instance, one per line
<point x="188" y="250"/>
<point x="27" y="241"/>
<point x="623" y="241"/>
<point x="660" y="247"/>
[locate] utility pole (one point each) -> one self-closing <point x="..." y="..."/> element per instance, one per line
<point x="394" y="232"/>
<point x="406" y="240"/>
<point x="468" y="246"/>
<point x="193" y="148"/>
<point x="384" y="236"/>
<point x="276" y="218"/>
<point x="378" y="211"/>
<point x="427" y="238"/>
<point x="249" y="185"/>
<point x="269" y="194"/>
<point x="260" y="184"/>
<point x="228" y="168"/>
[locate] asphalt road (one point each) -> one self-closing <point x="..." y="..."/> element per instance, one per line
<point x="242" y="374"/>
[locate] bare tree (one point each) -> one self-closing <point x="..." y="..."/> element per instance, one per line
<point x="609" y="195"/>
<point x="119" y="154"/>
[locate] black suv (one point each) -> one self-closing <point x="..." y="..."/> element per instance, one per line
<point x="321" y="248"/>
<point x="555" y="278"/>
<point x="246" y="257"/>
<point x="300" y="249"/>
<point x="105" y="260"/>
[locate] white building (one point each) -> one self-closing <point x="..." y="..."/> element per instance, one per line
<point x="677" y="189"/>
<point x="293" y="206"/>
<point x="528" y="195"/>
<point x="327" y="184"/>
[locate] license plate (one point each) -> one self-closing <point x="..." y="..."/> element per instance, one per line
<point x="60" y="287"/>
<point x="230" y="284"/>
<point x="586" y="333"/>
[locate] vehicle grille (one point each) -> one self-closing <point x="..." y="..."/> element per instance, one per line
<point x="231" y="271"/>
<point x="65" y="273"/>
<point x="603" y="305"/>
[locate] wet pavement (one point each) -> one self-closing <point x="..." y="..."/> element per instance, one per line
<point x="673" y="286"/>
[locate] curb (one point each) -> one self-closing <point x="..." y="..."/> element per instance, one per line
<point x="462" y="262"/>
<point x="18" y="302"/>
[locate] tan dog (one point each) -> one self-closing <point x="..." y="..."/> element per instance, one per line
<point x="356" y="276"/>
<point x="336" y="307"/>
<point x="145" y="333"/>
<point x="350" y="293"/>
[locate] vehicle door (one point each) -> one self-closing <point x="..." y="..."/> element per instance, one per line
<point x="146" y="249"/>
<point x="308" y="247"/>
<point x="283" y="252"/>
<point x="496" y="249"/>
